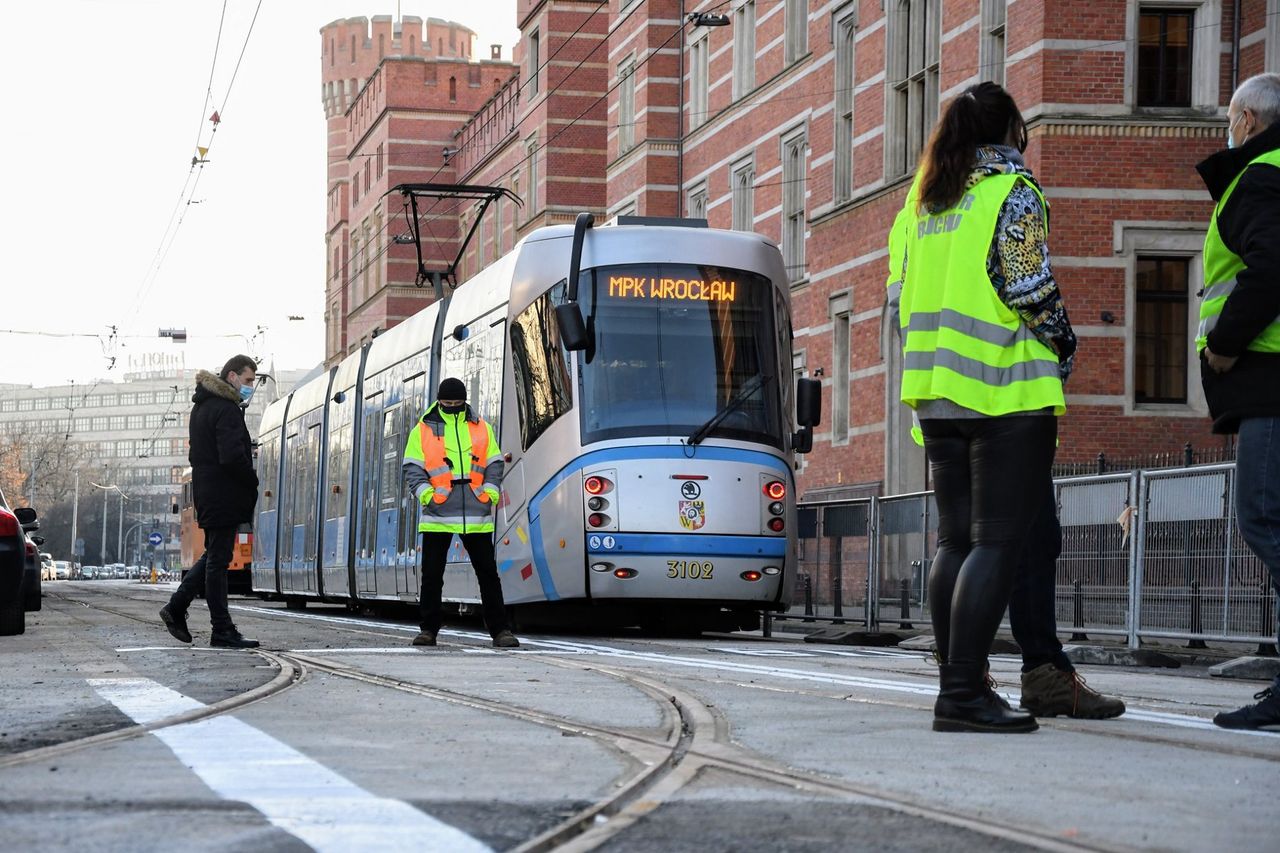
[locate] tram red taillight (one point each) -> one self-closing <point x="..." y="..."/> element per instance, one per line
<point x="597" y="519"/>
<point x="775" y="490"/>
<point x="624" y="574"/>
<point x="776" y="525"/>
<point x="597" y="485"/>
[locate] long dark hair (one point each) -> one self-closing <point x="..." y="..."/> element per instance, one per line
<point x="984" y="114"/>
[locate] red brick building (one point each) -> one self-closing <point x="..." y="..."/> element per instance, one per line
<point x="803" y="121"/>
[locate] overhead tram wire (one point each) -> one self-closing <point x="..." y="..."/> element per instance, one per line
<point x="154" y="272"/>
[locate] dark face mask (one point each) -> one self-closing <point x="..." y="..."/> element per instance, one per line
<point x="453" y="410"/>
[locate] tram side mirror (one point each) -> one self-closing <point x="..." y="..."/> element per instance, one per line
<point x="802" y="440"/>
<point x="39" y="540"/>
<point x="808" y="402"/>
<point x="573" y="330"/>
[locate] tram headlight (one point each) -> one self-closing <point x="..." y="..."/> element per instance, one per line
<point x="775" y="490"/>
<point x="772" y="570"/>
<point x="776" y="508"/>
<point x="601" y="567"/>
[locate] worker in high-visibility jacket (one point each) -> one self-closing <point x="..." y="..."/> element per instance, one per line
<point x="986" y="346"/>
<point x="1050" y="684"/>
<point x="1239" y="334"/>
<point x="453" y="466"/>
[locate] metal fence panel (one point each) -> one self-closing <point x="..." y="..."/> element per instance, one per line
<point x="906" y="538"/>
<point x="1094" y="582"/>
<point x="1199" y="578"/>
<point x="835" y="550"/>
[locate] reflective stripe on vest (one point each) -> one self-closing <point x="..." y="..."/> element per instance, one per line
<point x="961" y="342"/>
<point x="436" y="463"/>
<point x="1221" y="266"/>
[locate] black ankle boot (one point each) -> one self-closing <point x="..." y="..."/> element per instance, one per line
<point x="231" y="639"/>
<point x="967" y="704"/>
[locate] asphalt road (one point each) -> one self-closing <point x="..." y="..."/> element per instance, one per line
<point x="340" y="736"/>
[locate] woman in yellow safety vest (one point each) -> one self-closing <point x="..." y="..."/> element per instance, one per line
<point x="987" y="346"/>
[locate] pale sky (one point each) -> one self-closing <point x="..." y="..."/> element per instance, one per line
<point x="103" y="102"/>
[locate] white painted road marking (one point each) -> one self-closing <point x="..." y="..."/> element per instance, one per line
<point x="296" y="794"/>
<point x="1130" y="715"/>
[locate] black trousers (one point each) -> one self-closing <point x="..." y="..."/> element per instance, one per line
<point x="209" y="575"/>
<point x="435" y="549"/>
<point x="990" y="477"/>
<point x="1032" y="614"/>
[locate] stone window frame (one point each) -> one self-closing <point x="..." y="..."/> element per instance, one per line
<point x="1271" y="54"/>
<point x="626" y="104"/>
<point x="844" y="34"/>
<point x="696" y="200"/>
<point x="744" y="48"/>
<point x="742" y="177"/>
<point x="794" y="145"/>
<point x="993" y="44"/>
<point x="905" y="133"/>
<point x="533" y="50"/>
<point x="699" y="79"/>
<point x="1166" y="239"/>
<point x="1206" y="53"/>
<point x="796" y="37"/>
<point x="839" y="311"/>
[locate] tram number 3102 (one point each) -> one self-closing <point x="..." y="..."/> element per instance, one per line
<point x="691" y="569"/>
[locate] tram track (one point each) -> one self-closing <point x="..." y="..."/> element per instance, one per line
<point x="692" y="738"/>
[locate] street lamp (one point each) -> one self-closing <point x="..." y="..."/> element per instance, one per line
<point x="106" y="492"/>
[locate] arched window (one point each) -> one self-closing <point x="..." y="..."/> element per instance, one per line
<point x="453" y="88"/>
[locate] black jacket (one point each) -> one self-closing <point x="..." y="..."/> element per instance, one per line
<point x="1250" y="226"/>
<point x="224" y="486"/>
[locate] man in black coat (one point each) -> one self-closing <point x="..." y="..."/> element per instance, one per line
<point x="224" y="489"/>
<point x="1240" y="329"/>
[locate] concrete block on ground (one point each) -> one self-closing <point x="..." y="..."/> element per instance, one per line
<point x="1254" y="668"/>
<point x="853" y="637"/>
<point x="1101" y="656"/>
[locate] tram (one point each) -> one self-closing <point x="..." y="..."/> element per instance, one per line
<point x="647" y="415"/>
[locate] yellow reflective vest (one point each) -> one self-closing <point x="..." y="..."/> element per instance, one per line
<point x="470" y="485"/>
<point x="961" y="343"/>
<point x="1221" y="266"/>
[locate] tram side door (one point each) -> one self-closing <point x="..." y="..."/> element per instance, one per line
<point x="388" y="499"/>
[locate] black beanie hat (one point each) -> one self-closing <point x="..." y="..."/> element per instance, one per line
<point x="452" y="389"/>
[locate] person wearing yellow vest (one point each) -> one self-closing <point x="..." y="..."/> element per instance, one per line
<point x="986" y="347"/>
<point x="453" y="466"/>
<point x="1239" y="333"/>
<point x="1050" y="684"/>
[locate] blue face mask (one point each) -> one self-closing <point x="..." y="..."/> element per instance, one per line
<point x="246" y="393"/>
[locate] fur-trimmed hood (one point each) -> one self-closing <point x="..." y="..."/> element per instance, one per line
<point x="214" y="386"/>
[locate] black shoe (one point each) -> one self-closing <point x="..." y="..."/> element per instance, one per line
<point x="424" y="638"/>
<point x="232" y="639"/>
<point x="506" y="640"/>
<point x="1265" y="713"/>
<point x="967" y="704"/>
<point x="177" y="624"/>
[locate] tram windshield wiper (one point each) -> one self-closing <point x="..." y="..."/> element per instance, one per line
<point x="754" y="384"/>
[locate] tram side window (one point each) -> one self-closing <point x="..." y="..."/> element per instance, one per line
<point x="477" y="361"/>
<point x="541" y="374"/>
<point x="391" y="450"/>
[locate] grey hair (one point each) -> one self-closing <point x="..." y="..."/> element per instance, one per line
<point x="1260" y="95"/>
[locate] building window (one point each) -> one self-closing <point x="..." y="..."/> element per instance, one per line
<point x="1164" y="57"/>
<point x="840" y="345"/>
<point x="531" y="154"/>
<point x="1161" y="330"/>
<point x="916" y="34"/>
<point x="134" y="422"/>
<point x="995" y="14"/>
<point x="381" y="153"/>
<point x="797" y="26"/>
<point x="697" y="201"/>
<point x="497" y="228"/>
<point x="25" y="405"/>
<point x="742" y="187"/>
<point x="698" y="83"/>
<point x="793" y="192"/>
<point x="845" y="32"/>
<point x="744" y="48"/>
<point x="535" y="60"/>
<point x="116" y="423"/>
<point x="626" y="106"/>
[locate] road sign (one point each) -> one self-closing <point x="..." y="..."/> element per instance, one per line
<point x="79" y="548"/>
<point x="155" y="539"/>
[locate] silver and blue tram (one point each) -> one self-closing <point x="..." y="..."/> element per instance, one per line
<point x="649" y="452"/>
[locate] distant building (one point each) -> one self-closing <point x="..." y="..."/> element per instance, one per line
<point x="803" y="121"/>
<point x="135" y="427"/>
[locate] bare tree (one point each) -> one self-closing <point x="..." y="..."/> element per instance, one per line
<point x="36" y="466"/>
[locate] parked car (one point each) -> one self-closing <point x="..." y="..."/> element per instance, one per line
<point x="89" y="573"/>
<point x="13" y="564"/>
<point x="61" y="570"/>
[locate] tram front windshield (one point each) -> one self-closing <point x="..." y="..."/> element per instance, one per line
<point x="674" y="345"/>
